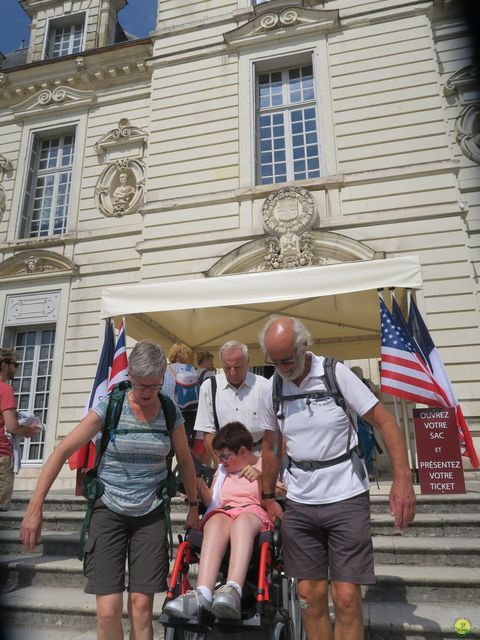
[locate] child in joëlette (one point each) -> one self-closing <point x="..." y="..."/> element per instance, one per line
<point x="235" y="515"/>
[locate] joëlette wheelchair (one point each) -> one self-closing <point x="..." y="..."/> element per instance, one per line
<point x="270" y="603"/>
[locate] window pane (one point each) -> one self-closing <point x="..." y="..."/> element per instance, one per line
<point x="65" y="40"/>
<point x="30" y="385"/>
<point x="288" y="125"/>
<point x="51" y="187"/>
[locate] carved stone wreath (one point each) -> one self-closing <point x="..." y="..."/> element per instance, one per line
<point x="120" y="189"/>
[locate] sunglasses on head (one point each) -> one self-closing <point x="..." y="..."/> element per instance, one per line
<point x="7" y="361"/>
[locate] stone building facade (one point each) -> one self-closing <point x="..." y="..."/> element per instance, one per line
<point x="239" y="136"/>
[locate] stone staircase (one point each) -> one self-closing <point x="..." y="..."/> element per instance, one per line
<point x="428" y="577"/>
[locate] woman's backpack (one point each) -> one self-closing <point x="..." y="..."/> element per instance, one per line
<point x="93" y="487"/>
<point x="186" y="385"/>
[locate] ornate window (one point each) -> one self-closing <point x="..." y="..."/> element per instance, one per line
<point x="47" y="197"/>
<point x="65" y="36"/>
<point x="34" y="348"/>
<point x="287" y="131"/>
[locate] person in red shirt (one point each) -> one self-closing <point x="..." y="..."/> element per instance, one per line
<point x="8" y="423"/>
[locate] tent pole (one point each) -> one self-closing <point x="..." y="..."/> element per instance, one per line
<point x="404" y="427"/>
<point x="410" y="441"/>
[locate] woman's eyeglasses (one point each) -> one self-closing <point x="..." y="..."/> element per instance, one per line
<point x="146" y="387"/>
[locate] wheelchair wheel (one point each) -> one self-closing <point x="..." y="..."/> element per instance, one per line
<point x="295" y="624"/>
<point x="279" y="632"/>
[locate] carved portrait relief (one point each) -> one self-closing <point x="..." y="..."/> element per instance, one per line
<point x="121" y="187"/>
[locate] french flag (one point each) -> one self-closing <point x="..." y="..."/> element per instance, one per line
<point x="112" y="368"/>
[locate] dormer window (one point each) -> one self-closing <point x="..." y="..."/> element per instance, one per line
<point x="65" y="36"/>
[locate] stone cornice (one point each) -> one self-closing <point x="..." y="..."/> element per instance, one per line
<point x="90" y="70"/>
<point x="51" y="99"/>
<point x="281" y="20"/>
<point x="34" y="263"/>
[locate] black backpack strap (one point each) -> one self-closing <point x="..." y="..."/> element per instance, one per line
<point x="201" y="378"/>
<point x="333" y="388"/>
<point x="168" y="488"/>
<point x="277" y="388"/>
<point x="214" y="402"/>
<point x="331" y="382"/>
<point x="93" y="487"/>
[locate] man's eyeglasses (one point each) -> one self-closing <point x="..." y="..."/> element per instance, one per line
<point x="146" y="387"/>
<point x="225" y="456"/>
<point x="285" y="361"/>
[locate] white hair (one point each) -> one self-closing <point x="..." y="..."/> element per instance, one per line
<point x="301" y="333"/>
<point x="231" y="345"/>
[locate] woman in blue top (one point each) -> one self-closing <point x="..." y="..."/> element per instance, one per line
<point x="181" y="384"/>
<point x="128" y="521"/>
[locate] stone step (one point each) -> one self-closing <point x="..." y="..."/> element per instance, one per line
<point x="398" y="548"/>
<point x="458" y="503"/>
<point x="425" y="524"/>
<point x="403" y="621"/>
<point x="34" y="607"/>
<point x="58" y="608"/>
<point x="69" y="502"/>
<point x="443" y="552"/>
<point x="465" y="525"/>
<point x="72" y="520"/>
<point x="403" y="582"/>
<point x="51" y="633"/>
<point x="421" y="584"/>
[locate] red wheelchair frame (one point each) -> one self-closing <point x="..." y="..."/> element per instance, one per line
<point x="276" y="610"/>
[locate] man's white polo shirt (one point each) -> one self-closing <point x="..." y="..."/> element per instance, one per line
<point x="232" y="404"/>
<point x="319" y="431"/>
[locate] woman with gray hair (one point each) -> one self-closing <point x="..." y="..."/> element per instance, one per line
<point x="129" y="519"/>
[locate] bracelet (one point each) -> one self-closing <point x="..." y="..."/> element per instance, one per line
<point x="193" y="504"/>
<point x="268" y="496"/>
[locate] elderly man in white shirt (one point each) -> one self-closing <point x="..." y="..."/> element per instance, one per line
<point x="237" y="397"/>
<point x="326" y="525"/>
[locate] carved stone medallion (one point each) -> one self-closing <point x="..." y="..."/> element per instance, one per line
<point x="121" y="187"/>
<point x="288" y="216"/>
<point x="289" y="210"/>
<point x="467" y="131"/>
<point x="3" y="201"/>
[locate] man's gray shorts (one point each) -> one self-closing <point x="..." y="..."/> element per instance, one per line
<point x="329" y="541"/>
<point x="112" y="538"/>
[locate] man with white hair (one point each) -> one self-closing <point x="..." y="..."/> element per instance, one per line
<point x="326" y="524"/>
<point x="230" y="396"/>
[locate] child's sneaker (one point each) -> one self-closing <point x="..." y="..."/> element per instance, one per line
<point x="227" y="603"/>
<point x="187" y="606"/>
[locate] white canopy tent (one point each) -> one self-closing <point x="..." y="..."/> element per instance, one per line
<point x="338" y="304"/>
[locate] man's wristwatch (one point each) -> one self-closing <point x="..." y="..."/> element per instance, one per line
<point x="268" y="496"/>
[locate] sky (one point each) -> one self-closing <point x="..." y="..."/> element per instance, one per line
<point x="138" y="18"/>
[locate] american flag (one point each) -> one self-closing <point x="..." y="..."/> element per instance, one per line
<point x="404" y="374"/>
<point x="418" y="329"/>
